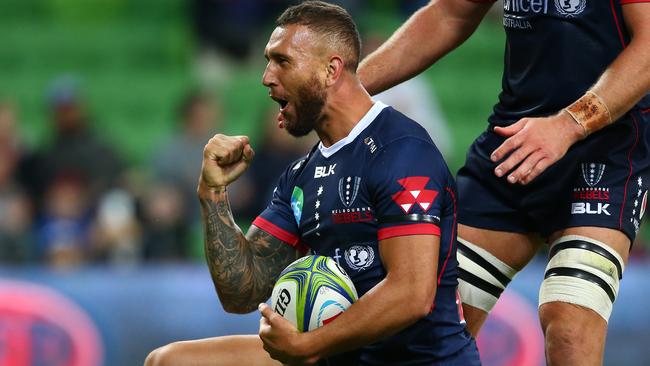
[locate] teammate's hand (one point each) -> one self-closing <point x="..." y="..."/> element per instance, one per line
<point x="282" y="340"/>
<point x="225" y="158"/>
<point x="534" y="144"/>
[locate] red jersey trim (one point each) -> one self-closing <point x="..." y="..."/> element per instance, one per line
<point x="618" y="25"/>
<point x="404" y="230"/>
<point x="453" y="235"/>
<point x="276" y="231"/>
<point x="623" y="2"/>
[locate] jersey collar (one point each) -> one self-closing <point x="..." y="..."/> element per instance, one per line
<point x="363" y="123"/>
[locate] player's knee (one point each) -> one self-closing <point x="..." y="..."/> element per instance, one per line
<point x="162" y="356"/>
<point x="584" y="272"/>
<point x="560" y="336"/>
<point x="482" y="277"/>
<point x="564" y="331"/>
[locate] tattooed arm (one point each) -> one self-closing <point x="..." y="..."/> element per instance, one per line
<point x="243" y="268"/>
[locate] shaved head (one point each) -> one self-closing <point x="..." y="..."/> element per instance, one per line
<point x="332" y="24"/>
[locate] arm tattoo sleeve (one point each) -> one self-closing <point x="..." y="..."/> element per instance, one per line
<point x="243" y="269"/>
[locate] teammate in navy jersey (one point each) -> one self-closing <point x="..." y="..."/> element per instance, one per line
<point x="566" y="155"/>
<point x="374" y="194"/>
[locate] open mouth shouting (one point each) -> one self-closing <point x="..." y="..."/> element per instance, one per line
<point x="283" y="103"/>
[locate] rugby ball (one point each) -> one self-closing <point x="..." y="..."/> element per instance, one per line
<point x="312" y="291"/>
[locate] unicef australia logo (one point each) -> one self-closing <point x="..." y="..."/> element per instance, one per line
<point x="570" y="8"/>
<point x="359" y="257"/>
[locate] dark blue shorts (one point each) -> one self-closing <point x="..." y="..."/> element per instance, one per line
<point x="466" y="356"/>
<point x="602" y="181"/>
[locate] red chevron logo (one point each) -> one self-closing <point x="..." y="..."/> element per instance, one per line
<point x="414" y="193"/>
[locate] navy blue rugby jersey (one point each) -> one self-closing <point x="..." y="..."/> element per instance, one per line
<point x="385" y="179"/>
<point x="555" y="51"/>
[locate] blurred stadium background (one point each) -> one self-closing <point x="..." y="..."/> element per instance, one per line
<point x="104" y="109"/>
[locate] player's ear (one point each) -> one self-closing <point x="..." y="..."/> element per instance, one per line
<point x="335" y="68"/>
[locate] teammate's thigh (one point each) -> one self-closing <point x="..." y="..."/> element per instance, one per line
<point x="575" y="307"/>
<point x="514" y="249"/>
<point x="488" y="260"/>
<point x="219" y="351"/>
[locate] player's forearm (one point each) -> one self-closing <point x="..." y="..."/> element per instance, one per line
<point x="624" y="82"/>
<point x="391" y="306"/>
<point x="226" y="251"/>
<point x="228" y="254"/>
<point x="627" y="79"/>
<point x="428" y="35"/>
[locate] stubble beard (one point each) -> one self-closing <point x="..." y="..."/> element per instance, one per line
<point x="309" y="108"/>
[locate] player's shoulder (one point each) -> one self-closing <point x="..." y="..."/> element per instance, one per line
<point x="399" y="145"/>
<point x="402" y="137"/>
<point x="293" y="170"/>
<point x="392" y="126"/>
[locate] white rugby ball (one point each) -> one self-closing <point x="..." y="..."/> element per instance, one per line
<point x="312" y="291"/>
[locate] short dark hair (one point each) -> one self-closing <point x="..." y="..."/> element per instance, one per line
<point x="329" y="20"/>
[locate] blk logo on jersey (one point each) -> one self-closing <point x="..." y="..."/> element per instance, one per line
<point x="590" y="208"/>
<point x="592" y="173"/>
<point x="324" y="171"/>
<point x="414" y="193"/>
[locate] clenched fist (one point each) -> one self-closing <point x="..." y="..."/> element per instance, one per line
<point x="225" y="158"/>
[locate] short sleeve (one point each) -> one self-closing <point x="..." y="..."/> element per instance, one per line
<point x="278" y="219"/>
<point x="407" y="183"/>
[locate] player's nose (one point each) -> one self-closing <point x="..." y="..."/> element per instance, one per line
<point x="268" y="78"/>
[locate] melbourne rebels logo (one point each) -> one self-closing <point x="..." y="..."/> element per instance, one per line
<point x="414" y="193"/>
<point x="570" y="8"/>
<point x="359" y="257"/>
<point x="348" y="189"/>
<point x="592" y="173"/>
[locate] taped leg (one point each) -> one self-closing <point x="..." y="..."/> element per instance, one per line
<point x="582" y="271"/>
<point x="488" y="260"/>
<point x="482" y="277"/>
<point x="576" y="297"/>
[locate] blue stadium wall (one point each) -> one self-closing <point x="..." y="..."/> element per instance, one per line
<point x="101" y="316"/>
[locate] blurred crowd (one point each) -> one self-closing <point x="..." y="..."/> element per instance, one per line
<point x="75" y="201"/>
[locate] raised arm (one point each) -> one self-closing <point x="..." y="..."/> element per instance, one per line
<point x="429" y="34"/>
<point x="243" y="268"/>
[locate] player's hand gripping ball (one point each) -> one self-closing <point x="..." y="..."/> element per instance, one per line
<point x="312" y="291"/>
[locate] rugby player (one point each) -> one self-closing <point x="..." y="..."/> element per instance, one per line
<point x="566" y="154"/>
<point x="374" y="194"/>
